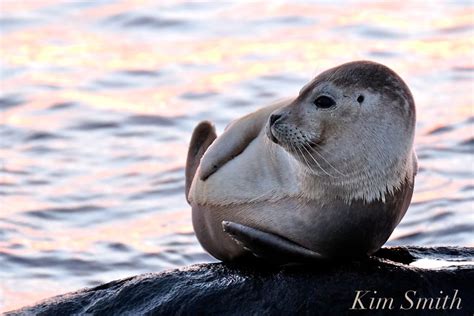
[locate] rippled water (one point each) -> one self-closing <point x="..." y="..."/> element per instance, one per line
<point x="98" y="100"/>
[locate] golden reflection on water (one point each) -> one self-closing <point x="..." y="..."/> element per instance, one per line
<point x="132" y="233"/>
<point x="95" y="57"/>
<point x="91" y="55"/>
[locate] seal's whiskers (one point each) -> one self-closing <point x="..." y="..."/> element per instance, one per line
<point x="322" y="157"/>
<point x="298" y="152"/>
<point x="319" y="165"/>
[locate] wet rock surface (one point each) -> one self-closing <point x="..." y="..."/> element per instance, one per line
<point x="393" y="279"/>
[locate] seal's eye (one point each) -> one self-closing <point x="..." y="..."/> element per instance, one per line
<point x="360" y="99"/>
<point x="324" y="102"/>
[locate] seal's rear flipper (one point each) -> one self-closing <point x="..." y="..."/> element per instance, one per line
<point x="203" y="136"/>
<point x="269" y="246"/>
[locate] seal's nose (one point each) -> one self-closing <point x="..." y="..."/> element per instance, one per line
<point x="274" y="118"/>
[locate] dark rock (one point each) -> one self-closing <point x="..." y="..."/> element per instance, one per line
<point x="258" y="289"/>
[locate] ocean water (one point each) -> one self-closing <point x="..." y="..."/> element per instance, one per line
<point x="99" y="98"/>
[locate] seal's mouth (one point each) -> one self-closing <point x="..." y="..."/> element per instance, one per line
<point x="271" y="136"/>
<point x="315" y="144"/>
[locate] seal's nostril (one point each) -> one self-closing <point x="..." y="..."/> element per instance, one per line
<point x="274" y="118"/>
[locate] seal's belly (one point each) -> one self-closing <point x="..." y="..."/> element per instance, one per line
<point x="334" y="230"/>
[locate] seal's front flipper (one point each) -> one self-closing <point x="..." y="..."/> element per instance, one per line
<point x="269" y="246"/>
<point x="203" y="136"/>
<point x="230" y="144"/>
<point x="237" y="136"/>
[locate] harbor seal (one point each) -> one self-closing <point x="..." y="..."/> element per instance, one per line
<point x="325" y="175"/>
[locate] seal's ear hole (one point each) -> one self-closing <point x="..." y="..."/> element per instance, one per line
<point x="360" y="98"/>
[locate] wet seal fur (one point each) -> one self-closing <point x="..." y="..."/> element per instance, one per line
<point x="325" y="175"/>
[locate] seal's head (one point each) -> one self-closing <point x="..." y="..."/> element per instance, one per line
<point x="353" y="124"/>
